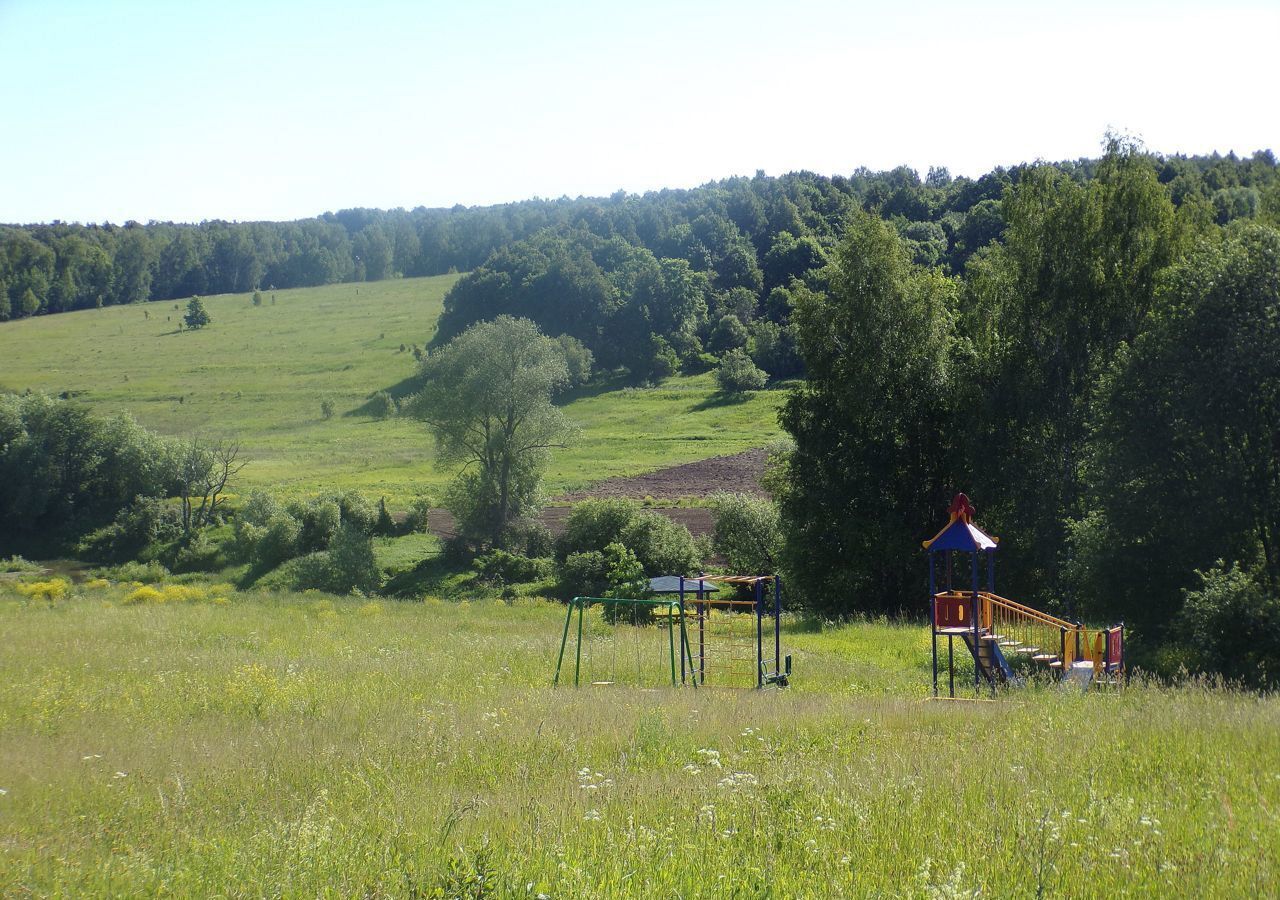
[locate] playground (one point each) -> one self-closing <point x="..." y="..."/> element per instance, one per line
<point x="730" y="626"/>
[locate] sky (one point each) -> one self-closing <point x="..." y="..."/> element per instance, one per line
<point x="189" y="111"/>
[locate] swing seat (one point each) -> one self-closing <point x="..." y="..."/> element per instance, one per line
<point x="601" y="683"/>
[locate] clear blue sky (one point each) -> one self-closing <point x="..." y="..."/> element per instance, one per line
<point x="200" y="110"/>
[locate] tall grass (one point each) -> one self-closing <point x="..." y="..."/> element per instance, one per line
<point x="303" y="745"/>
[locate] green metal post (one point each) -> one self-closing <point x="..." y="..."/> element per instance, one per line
<point x="564" y="638"/>
<point x="577" y="666"/>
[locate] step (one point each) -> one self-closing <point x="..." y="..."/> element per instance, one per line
<point x="1045" y="657"/>
<point x="1056" y="664"/>
<point x="1026" y="650"/>
<point x="1011" y="643"/>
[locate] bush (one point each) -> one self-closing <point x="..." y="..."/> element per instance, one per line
<point x="18" y="564"/>
<point x="352" y="562"/>
<point x="318" y="522"/>
<point x="499" y="566"/>
<point x="729" y="334"/>
<point x="385" y="525"/>
<point x="748" y="533"/>
<point x="593" y="525"/>
<point x="326" y="409"/>
<point x="199" y="554"/>
<point x="658" y="545"/>
<point x="277" y="542"/>
<point x="145" y="521"/>
<point x="584" y="575"/>
<point x="383" y="406"/>
<point x="737" y="373"/>
<point x="415" y="521"/>
<point x="578" y="358"/>
<point x="357" y="511"/>
<point x="1232" y="627"/>
<point x="133" y="571"/>
<point x="538" y="541"/>
<point x="661" y="546"/>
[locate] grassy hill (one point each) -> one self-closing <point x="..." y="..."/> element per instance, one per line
<point x="261" y="373"/>
<point x="303" y="745"/>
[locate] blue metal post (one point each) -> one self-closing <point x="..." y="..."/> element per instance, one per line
<point x="759" y="635"/>
<point x="933" y="619"/>
<point x="975" y="612"/>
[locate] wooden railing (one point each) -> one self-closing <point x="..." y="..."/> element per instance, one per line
<point x="1024" y="630"/>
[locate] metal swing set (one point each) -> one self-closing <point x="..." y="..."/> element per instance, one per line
<point x="716" y="640"/>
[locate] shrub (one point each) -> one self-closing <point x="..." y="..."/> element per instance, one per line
<point x="134" y="571"/>
<point x="18" y="564"/>
<point x="661" y="546"/>
<point x="1232" y="627"/>
<point x="385" y="525"/>
<point x="415" y="520"/>
<point x="383" y="405"/>
<point x="352" y="561"/>
<point x="584" y="574"/>
<point x="318" y="522"/>
<point x="729" y="334"/>
<point x="737" y="373"/>
<point x="326" y="409"/>
<point x="593" y="525"/>
<point x="257" y="298"/>
<point x="278" y="541"/>
<point x="538" y="541"/>
<point x="356" y="511"/>
<point x="499" y="566"/>
<point x="50" y="591"/>
<point x="200" y="554"/>
<point x="578" y="358"/>
<point x="748" y="533"/>
<point x="145" y="521"/>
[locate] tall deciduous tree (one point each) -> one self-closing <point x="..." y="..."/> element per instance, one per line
<point x="870" y="468"/>
<point x="487" y="400"/>
<point x="1184" y="462"/>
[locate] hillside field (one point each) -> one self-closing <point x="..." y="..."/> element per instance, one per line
<point x="260" y="374"/>
<point x="303" y="745"/>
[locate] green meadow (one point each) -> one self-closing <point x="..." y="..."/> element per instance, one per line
<point x="193" y="741"/>
<point x="260" y="374"/>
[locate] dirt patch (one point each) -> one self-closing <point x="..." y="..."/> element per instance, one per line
<point x="740" y="473"/>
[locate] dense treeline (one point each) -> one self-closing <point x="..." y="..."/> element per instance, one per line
<point x="1104" y="382"/>
<point x="678" y="278"/>
<point x="744" y="234"/>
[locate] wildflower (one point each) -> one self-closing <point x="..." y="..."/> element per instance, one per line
<point x="693" y="769"/>
<point x="593" y="815"/>
<point x="122" y="775"/>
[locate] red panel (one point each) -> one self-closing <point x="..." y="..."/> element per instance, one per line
<point x="953" y="612"/>
<point x="1115" y="648"/>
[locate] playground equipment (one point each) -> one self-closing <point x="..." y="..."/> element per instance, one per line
<point x="731" y="644"/>
<point x="996" y="630"/>
<point x="668" y="610"/>
<point x="728" y="627"/>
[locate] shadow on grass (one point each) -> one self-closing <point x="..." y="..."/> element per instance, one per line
<point x="433" y="575"/>
<point x="406" y="387"/>
<point x="721" y="400"/>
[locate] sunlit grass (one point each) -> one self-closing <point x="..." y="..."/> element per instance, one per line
<point x="260" y="374"/>
<point x="307" y="745"/>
